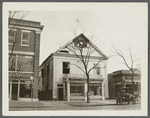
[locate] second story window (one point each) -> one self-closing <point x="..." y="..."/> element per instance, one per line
<point x="25" y="63"/>
<point x="66" y="67"/>
<point x="25" y="38"/>
<point x="22" y="63"/>
<point x="11" y="37"/>
<point x="12" y="62"/>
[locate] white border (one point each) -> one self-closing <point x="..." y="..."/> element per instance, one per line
<point x="68" y="6"/>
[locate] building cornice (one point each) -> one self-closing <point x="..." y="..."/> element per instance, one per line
<point x="37" y="30"/>
<point x="74" y="56"/>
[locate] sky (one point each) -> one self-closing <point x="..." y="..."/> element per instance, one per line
<point x="123" y="25"/>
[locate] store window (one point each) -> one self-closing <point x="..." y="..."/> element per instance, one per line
<point x="12" y="34"/>
<point x="25" y="63"/>
<point x="25" y="37"/>
<point x="66" y="67"/>
<point x="95" y="89"/>
<point x="137" y="87"/>
<point x="76" y="89"/>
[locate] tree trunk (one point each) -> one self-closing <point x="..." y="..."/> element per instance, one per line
<point x="88" y="100"/>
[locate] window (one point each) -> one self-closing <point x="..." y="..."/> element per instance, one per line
<point x="95" y="89"/>
<point x="97" y="69"/>
<point x="25" y="36"/>
<point x="12" y="63"/>
<point x="76" y="89"/>
<point x="42" y="76"/>
<point x="80" y="42"/>
<point x="25" y="63"/>
<point x="21" y="63"/>
<point x="12" y="34"/>
<point x="25" y="89"/>
<point x="66" y="67"/>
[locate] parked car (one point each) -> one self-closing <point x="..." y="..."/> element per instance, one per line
<point x="122" y="95"/>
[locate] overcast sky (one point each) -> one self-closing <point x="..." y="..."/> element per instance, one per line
<point x="122" y="24"/>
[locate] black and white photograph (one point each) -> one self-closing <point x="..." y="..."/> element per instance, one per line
<point x="75" y="59"/>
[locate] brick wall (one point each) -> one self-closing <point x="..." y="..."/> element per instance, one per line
<point x="18" y="46"/>
<point x="36" y="64"/>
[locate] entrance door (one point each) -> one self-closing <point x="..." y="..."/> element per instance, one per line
<point x="60" y="94"/>
<point x="14" y="91"/>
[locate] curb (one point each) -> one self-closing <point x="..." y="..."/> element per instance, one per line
<point x="29" y="106"/>
<point x="91" y="105"/>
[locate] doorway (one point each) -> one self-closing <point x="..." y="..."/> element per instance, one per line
<point x="14" y="91"/>
<point x="60" y="94"/>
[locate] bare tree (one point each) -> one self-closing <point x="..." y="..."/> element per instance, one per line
<point x="119" y="53"/>
<point x="83" y="49"/>
<point x="12" y="27"/>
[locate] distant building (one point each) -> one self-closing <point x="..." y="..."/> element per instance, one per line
<point x="24" y="47"/>
<point x="64" y="81"/>
<point x="120" y="78"/>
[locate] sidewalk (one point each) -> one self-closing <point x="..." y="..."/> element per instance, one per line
<point x="46" y="104"/>
<point x="30" y="104"/>
<point x="92" y="103"/>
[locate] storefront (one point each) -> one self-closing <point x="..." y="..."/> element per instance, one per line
<point x="76" y="89"/>
<point x="20" y="88"/>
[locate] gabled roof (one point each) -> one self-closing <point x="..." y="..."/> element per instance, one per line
<point x="88" y="41"/>
<point x="82" y="36"/>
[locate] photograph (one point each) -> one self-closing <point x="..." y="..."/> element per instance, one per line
<point x="75" y="59"/>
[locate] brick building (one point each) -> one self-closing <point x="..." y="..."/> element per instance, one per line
<point x="24" y="47"/>
<point x="64" y="81"/>
<point x="122" y="78"/>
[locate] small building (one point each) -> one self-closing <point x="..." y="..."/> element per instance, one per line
<point x="122" y="78"/>
<point x="60" y="75"/>
<point x="24" y="47"/>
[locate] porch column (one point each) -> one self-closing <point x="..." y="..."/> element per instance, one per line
<point x="18" y="88"/>
<point x="10" y="90"/>
<point x="85" y="91"/>
<point x="68" y="91"/>
<point x="103" y="94"/>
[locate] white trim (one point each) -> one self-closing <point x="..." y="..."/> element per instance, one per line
<point x="26" y="28"/>
<point x="21" y="72"/>
<point x="38" y="32"/>
<point x="21" y="52"/>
